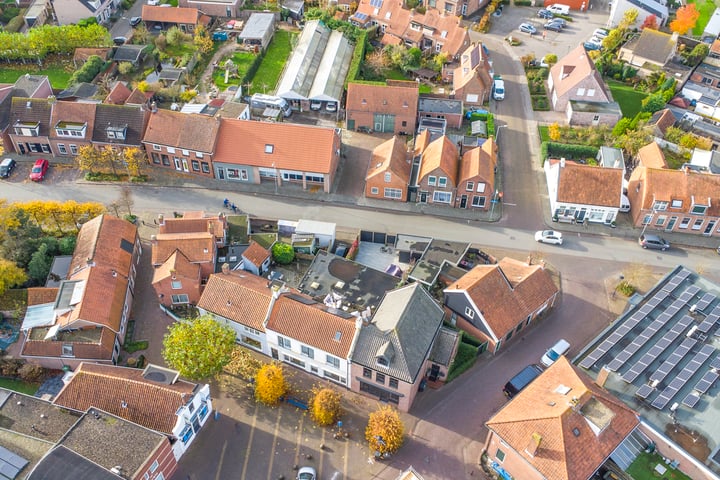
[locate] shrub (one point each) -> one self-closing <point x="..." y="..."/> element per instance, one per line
<point x="283" y="253"/>
<point x="523" y="3"/>
<point x="9" y="368"/>
<point x="567" y="150"/>
<point x="357" y="58"/>
<point x="270" y="384"/>
<point x="470" y="340"/>
<point x="125" y="67"/>
<point x="90" y="69"/>
<point x="464" y="359"/>
<point x="626" y="288"/>
<point x="30" y="372"/>
<point x="15" y="24"/>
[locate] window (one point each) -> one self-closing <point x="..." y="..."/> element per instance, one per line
<point x="199" y="155"/>
<point x="165" y="160"/>
<point x="469" y="312"/>
<point x="284" y="342"/>
<point x="470" y="186"/>
<point x="596" y="118"/>
<point x="500" y="455"/>
<point x="243" y="175"/>
<point x="442" y="197"/>
<point x="307" y="351"/>
<point x="509" y="335"/>
<point x="367" y="373"/>
<point x="698" y="209"/>
<point x="388" y="177"/>
<point x="117" y="133"/>
<point x="330" y="360"/>
<point x="382" y="361"/>
<point x="156" y="158"/>
<point x="590" y="92"/>
<point x="73" y="149"/>
<point x="313" y="369"/>
<point x="195" y="165"/>
<point x="580" y="92"/>
<point x="393" y="383"/>
<point x="698" y="224"/>
<point x="186" y="152"/>
<point x="432" y="180"/>
<point x="205" y="167"/>
<point x="707" y="80"/>
<point x="154" y="466"/>
<point x="67" y="350"/>
<point x="269" y="148"/>
<point x="442" y="182"/>
<point x="374" y="190"/>
<point x="294" y="361"/>
<point x="404" y="123"/>
<point x="380" y="378"/>
<point x="478" y="201"/>
<point x="660" y="206"/>
<point x="232" y="173"/>
<point x="660" y="220"/>
<point x="157" y="147"/>
<point x="481" y="187"/>
<point x="684" y="223"/>
<point x="61" y="149"/>
<point x="176" y="284"/>
<point x="393" y="193"/>
<point x="180" y="298"/>
<point x="676" y="204"/>
<point x="333" y="377"/>
<point x="647" y="219"/>
<point x="186" y="434"/>
<point x="170" y="149"/>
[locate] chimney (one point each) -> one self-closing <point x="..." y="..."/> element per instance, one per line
<point x="602" y="377"/>
<point x="225" y="268"/>
<point x="562" y="162"/>
<point x="153" y="107"/>
<point x="161" y="219"/>
<point x="153" y="239"/>
<point x="534" y="445"/>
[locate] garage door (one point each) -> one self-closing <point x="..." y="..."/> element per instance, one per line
<point x="384" y="123"/>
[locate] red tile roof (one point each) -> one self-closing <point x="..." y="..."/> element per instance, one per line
<point x="102" y="350"/>
<point x="256" y="254"/>
<point x="541" y="413"/>
<point x="119" y="93"/>
<point x="293" y="147"/>
<point x="79" y="112"/>
<point x="572" y="69"/>
<point x="443" y="154"/>
<point x="179" y="265"/>
<point x="687" y="186"/>
<point x="182" y="130"/>
<point x="651" y="156"/>
<point x="40" y="295"/>
<point x="589" y="185"/>
<point x="181" y="15"/>
<point x="479" y="162"/>
<point x="398" y="100"/>
<point x="197" y="247"/>
<point x="309" y="323"/>
<point x="195" y="222"/>
<point x="241" y="297"/>
<point x="390" y="156"/>
<point x="147" y="403"/>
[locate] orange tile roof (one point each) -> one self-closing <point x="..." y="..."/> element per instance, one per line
<point x="40" y="295"/>
<point x="179" y="265"/>
<point x="506" y="292"/>
<point x="195" y="222"/>
<point x="396" y="100"/>
<point x="390" y="156"/>
<point x="589" y="185"/>
<point x="119" y="93"/>
<point x="294" y="147"/>
<point x="238" y="296"/>
<point x="541" y="411"/>
<point x="651" y="156"/>
<point x="473" y="63"/>
<point x="310" y="324"/>
<point x="138" y="98"/>
<point x="100" y="351"/>
<point x="256" y="254"/>
<point x="151" y="13"/>
<point x="573" y="68"/>
<point x="421" y="142"/>
<point x="182" y="130"/>
<point x="197" y="247"/>
<point x="715" y="48"/>
<point x="100" y="240"/>
<point x="687" y="186"/>
<point x="443" y="154"/>
<point x="479" y="162"/>
<point x="664" y="119"/>
<point x="147" y="403"/>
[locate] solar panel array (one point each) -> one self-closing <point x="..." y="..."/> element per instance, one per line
<point x="11" y="464"/>
<point x="709" y="322"/>
<point x="706" y="381"/>
<point x="644" y="391"/>
<point x="376" y="3"/>
<point x="659" y="347"/>
<point x="360" y="16"/>
<point x="705" y="301"/>
<point x="679" y="382"/>
<point x="672" y="361"/>
<point x="639" y="341"/>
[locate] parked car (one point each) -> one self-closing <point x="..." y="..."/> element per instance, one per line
<point x="549" y="236"/>
<point x="559" y="9"/>
<point x="600" y="32"/>
<point x="592" y="46"/>
<point x="307" y="473"/>
<point x="546" y="14"/>
<point x="653" y="242"/>
<point x="331" y="107"/>
<point x="315" y="105"/>
<point x="556" y="351"/>
<point x="135" y="21"/>
<point x="596" y="40"/>
<point x="517" y="383"/>
<point x="539" y="63"/>
<point x="39" y="169"/>
<point x="560" y="21"/>
<point x="527" y="28"/>
<point x="6" y="167"/>
<point x="554" y="27"/>
<point x="119" y="40"/>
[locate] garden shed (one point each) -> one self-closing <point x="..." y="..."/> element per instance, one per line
<point x="258" y="30"/>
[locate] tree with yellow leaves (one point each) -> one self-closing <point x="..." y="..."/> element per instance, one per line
<point x="88" y="158"/>
<point x="554" y="132"/>
<point x="385" y="430"/>
<point x="270" y="384"/>
<point x="10" y="275"/>
<point x="325" y="406"/>
<point x="202" y="39"/>
<point x="134" y="160"/>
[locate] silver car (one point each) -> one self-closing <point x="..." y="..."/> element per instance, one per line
<point x="527" y="28"/>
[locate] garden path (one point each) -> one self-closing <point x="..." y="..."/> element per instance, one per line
<point x="206" y="79"/>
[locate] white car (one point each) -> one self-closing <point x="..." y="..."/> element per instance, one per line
<point x="527" y="28"/>
<point x="549" y="236"/>
<point x="556" y="351"/>
<point x="600" y="32"/>
<point x="153" y="2"/>
<point x="307" y="473"/>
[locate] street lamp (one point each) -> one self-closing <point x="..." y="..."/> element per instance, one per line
<point x="276" y="178"/>
<point x="652" y="216"/>
<point x="493" y="202"/>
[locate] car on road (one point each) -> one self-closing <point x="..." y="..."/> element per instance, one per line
<point x="307" y="473"/>
<point x="653" y="242"/>
<point x="549" y="236"/>
<point x="524" y="378"/>
<point x="39" y="169"/>
<point x="546" y="14"/>
<point x="6" y="167"/>
<point x="119" y="40"/>
<point x="592" y="46"/>
<point x="527" y="28"/>
<point x="554" y="27"/>
<point x="498" y="89"/>
<point x="556" y="351"/>
<point x="135" y="21"/>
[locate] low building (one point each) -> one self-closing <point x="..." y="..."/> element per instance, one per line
<point x="256" y="259"/>
<point x="476" y="179"/>
<point x="390" y="108"/>
<point x="650" y="51"/>
<point x="388" y="174"/>
<point x="258" y="31"/>
<point x="186" y="19"/>
<point x="215" y="8"/>
<point x="472" y="80"/>
<point x="443" y="109"/>
<point x="177" y="280"/>
<point x="68" y="12"/>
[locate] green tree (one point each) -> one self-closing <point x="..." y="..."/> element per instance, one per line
<point x="10" y="275"/>
<point x="653" y="103"/>
<point x="270" y="384"/>
<point x="385" y="430"/>
<point x="125" y="68"/>
<point x="39" y="266"/>
<point x="633" y="140"/>
<point x="551" y="59"/>
<point x="198" y="348"/>
<point x="176" y="37"/>
<point x="283" y="253"/>
<point x="695" y="56"/>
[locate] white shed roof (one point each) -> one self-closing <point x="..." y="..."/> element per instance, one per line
<point x="257" y="25"/>
<point x="314" y="226"/>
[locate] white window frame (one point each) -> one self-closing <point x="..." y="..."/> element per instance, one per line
<point x="469" y="312"/>
<point x="180" y="299"/>
<point x="61" y="149"/>
<point x="440" y="196"/>
<point x="175" y="284"/>
<point x="442" y="182"/>
<point x="432" y="180"/>
<point x="580" y="92"/>
<point x="470" y="186"/>
<point x="306" y="351"/>
<point x="394" y="193"/>
<point x="374" y="191"/>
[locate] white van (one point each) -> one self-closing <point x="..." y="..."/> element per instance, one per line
<point x="624" y="204"/>
<point x="556" y="351"/>
<point x="559" y="9"/>
<point x="498" y="89"/>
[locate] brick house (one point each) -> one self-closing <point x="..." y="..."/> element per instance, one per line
<point x="494" y="302"/>
<point x="476" y="182"/>
<point x="30" y="126"/>
<point x="181" y="141"/>
<point x="438" y="175"/>
<point x="177" y="280"/>
<point x="447" y="109"/>
<point x="388" y="108"/>
<point x="71" y="126"/>
<point x="392" y="352"/>
<point x="215" y="8"/>
<point x="27" y="86"/>
<point x="562" y="426"/>
<point x="186" y="19"/>
<point x="388" y="174"/>
<point x="88" y="319"/>
<point x="472" y="80"/>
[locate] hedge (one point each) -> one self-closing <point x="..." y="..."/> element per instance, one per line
<point x="523" y="3"/>
<point x="464" y="360"/>
<point x="357" y="58"/>
<point x="90" y="69"/>
<point x="566" y="150"/>
<point x="469" y="339"/>
<point x="250" y="73"/>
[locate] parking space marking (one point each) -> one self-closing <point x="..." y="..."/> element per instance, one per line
<point x="274" y="444"/>
<point x="298" y="440"/>
<point x="220" y="463"/>
<point x="250" y="440"/>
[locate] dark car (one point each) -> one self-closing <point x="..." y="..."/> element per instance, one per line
<point x="545" y="14"/>
<point x="554" y="27"/>
<point x="653" y="242"/>
<point x="521" y="380"/>
<point x="560" y="21"/>
<point x="119" y="40"/>
<point x="6" y="167"/>
<point x="135" y="21"/>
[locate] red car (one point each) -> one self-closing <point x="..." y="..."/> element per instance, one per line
<point x="39" y="169"/>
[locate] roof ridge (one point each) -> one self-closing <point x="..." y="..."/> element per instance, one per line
<point x="115" y="377"/>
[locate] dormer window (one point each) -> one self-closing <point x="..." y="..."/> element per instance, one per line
<point x="117" y="133"/>
<point x="27" y="129"/>
<point x="71" y="129"/>
<point x="415" y="26"/>
<point x="385" y="354"/>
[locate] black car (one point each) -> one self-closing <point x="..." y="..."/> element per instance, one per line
<point x="135" y="21"/>
<point x="547" y="14"/>
<point x="119" y="40"/>
<point x="555" y="27"/>
<point x="6" y="167"/>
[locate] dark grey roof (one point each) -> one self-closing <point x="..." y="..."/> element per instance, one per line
<point x="79" y="90"/>
<point x="596" y="107"/>
<point x="257" y="25"/>
<point x="59" y="270"/>
<point x="403" y="329"/>
<point x="31" y="110"/>
<point x="61" y="463"/>
<point x="128" y="53"/>
<point x="27" y="85"/>
<point x="169" y="73"/>
<point x="131" y="116"/>
<point x="444" y="345"/>
<point x="440" y="105"/>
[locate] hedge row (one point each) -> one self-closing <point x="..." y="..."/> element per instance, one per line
<point x="357" y="58"/>
<point x="90" y="69"/>
<point x="464" y="359"/>
<point x="566" y="150"/>
<point x="250" y="73"/>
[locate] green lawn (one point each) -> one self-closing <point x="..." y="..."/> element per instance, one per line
<point x="268" y="74"/>
<point x="544" y="133"/>
<point x="643" y="468"/>
<point x="243" y="61"/>
<point x="59" y="75"/>
<point x="18" y="386"/>
<point x="706" y="9"/>
<point x="628" y="98"/>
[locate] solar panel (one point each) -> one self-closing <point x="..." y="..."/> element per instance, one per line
<point x="376" y="3"/>
<point x="715" y="363"/>
<point x="662" y="400"/>
<point x="691" y="400"/>
<point x="693" y="290"/>
<point x="706" y="381"/>
<point x="675" y="357"/>
<point x="360" y="16"/>
<point x="708" y="323"/>
<point x="644" y="391"/>
<point x="645" y="309"/>
<point x="683" y="274"/>
<point x="705" y="301"/>
<point x="660" y="296"/>
<point x="679" y="382"/>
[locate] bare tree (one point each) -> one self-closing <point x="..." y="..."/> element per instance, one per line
<point x="126" y="199"/>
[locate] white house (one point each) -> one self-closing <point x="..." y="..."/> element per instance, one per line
<point x="323" y="231"/>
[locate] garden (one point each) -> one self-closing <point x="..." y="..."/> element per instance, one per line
<point x="644" y="468"/>
<point x="537" y="74"/>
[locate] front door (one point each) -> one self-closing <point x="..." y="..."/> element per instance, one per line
<point x="221" y="173"/>
<point x="178" y="165"/>
<point x="185" y="165"/>
<point x="709" y="228"/>
<point x="21" y="148"/>
<point x="671" y="224"/>
<point x="423" y="197"/>
<point x="274" y="353"/>
<point x="463" y="201"/>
